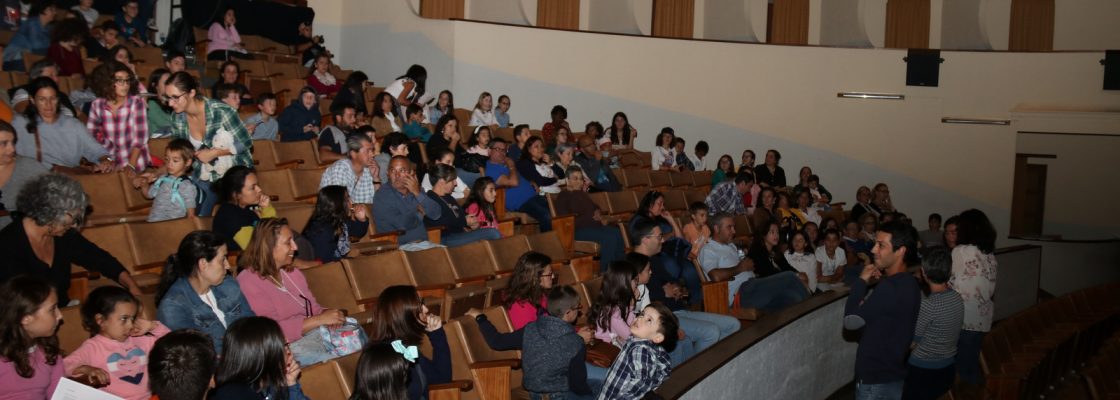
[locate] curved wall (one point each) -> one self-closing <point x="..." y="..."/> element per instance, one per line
<point x="739" y="96"/>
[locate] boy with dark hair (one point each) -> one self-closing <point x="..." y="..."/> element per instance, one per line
<point x="643" y="363"/>
<point x="554" y="354"/>
<point x="887" y="316"/>
<point x="263" y="125"/>
<point x="701" y="150"/>
<point x="932" y="363"/>
<point x="559" y="119"/>
<point x="932" y="237"/>
<point x="228" y="93"/>
<point x="181" y="366"/>
<point x="414" y="128"/>
<point x="97" y="46"/>
<point x="175" y="61"/>
<point x="683" y="160"/>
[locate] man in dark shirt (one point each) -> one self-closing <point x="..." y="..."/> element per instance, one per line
<point x="598" y="168"/>
<point x="458" y="227"/>
<point x="333" y="137"/>
<point x="887" y="316"/>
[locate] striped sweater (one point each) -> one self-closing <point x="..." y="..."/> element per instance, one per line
<point x="940" y="319"/>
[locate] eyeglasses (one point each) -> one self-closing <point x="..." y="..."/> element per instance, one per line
<point x="124" y="81"/>
<point x="498" y="148"/>
<point x="169" y="98"/>
<point x="552" y="275"/>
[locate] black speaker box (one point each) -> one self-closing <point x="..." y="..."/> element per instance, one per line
<point x="1111" y="69"/>
<point x="923" y="67"/>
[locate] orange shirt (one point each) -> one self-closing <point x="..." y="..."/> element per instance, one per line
<point x="6" y="112"/>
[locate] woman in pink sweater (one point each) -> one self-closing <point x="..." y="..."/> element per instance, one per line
<point x="225" y="42"/>
<point x="117" y="353"/>
<point x="30" y="361"/>
<point x="276" y="290"/>
<point x="525" y="293"/>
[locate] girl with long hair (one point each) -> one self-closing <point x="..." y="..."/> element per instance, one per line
<point x="382" y="374"/>
<point x="402" y="320"/>
<point x="332" y="224"/>
<point x="256" y="364"/>
<point x="613" y="309"/>
<point x="480" y="202"/>
<point x="524" y="295"/>
<point x="30" y="359"/>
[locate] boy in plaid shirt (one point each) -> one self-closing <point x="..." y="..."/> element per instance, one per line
<point x="643" y="363"/>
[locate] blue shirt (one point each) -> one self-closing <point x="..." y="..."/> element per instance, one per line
<point x="136" y="28"/>
<point x="502" y="117"/>
<point x="399" y="212"/>
<point x="266" y="130"/>
<point x="181" y="308"/>
<point x="517" y="195"/>
<point x="32" y="36"/>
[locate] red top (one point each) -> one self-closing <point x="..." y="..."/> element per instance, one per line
<point x="69" y="62"/>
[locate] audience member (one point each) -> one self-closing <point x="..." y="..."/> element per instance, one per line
<point x="445" y="104"/>
<point x="231" y="76"/>
<point x="521" y="135"/>
<point x="15" y="171"/>
<point x="597" y="167"/>
<point x="353" y="92"/>
<point x="950" y="236"/>
<point x="263" y="125"/>
<point x="382" y="374"/>
<point x="882" y="199"/>
<point x="173" y="194"/>
<point x="524" y="296"/>
<point x="831" y="261"/>
<point x="385" y="119"/>
<point x="886" y="316"/>
<point x="33" y="35"/>
<point x="408" y="88"/>
<point x="321" y="78"/>
<point x="257" y="363"/>
<point x="480" y="203"/>
<point x="112" y="317"/>
<point x="175" y="61"/>
<point x="536" y="167"/>
<point x="225" y="42"/>
<point x="445" y="157"/>
<point x="22" y="94"/>
<point x="931" y="370"/>
<point x="333" y="137"/>
<point x="332" y="224"/>
<point x="181" y="365"/>
<point x="277" y="290"/>
<point x="66" y="36"/>
<point x="564" y="159"/>
<point x="30" y="359"/>
<point x="398" y="203"/>
<point x="196" y="293"/>
<point x="459" y="228"/>
<point x="700" y="150"/>
<point x="821" y="196"/>
<point x="770" y="174"/>
<point x="664" y="154"/>
<point x="974" y="277"/>
<point x="309" y="45"/>
<point x="683" y="161"/>
<point x="414" y="127"/>
<point x="675" y="250"/>
<point x="402" y="320"/>
<point x="933" y="236"/>
<point x="696" y="231"/>
<point x="621" y="135"/>
<point x="766" y="252"/>
<point x="643" y="363"/>
<point x="118" y="119"/>
<point x="746" y="162"/>
<point x="98" y="45"/>
<point x="87" y="12"/>
<point x="520" y="194"/>
<point x="134" y="30"/>
<point x="799" y="254"/>
<point x="553" y="353"/>
<point x="301" y="119"/>
<point x="243" y="205"/>
<point x="46" y="243"/>
<point x="721" y="261"/>
<point x="483" y="113"/>
<point x="559" y="116"/>
<point x="501" y="113"/>
<point x="159" y="113"/>
<point x="727" y="196"/>
<point x="358" y="173"/>
<point x="447" y="136"/>
<point x="392" y="145"/>
<point x="591" y="224"/>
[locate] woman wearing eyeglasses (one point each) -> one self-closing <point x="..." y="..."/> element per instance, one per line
<point x="524" y="295"/>
<point x="214" y="129"/>
<point x="44" y="243"/>
<point x="278" y="290"/>
<point x="118" y="118"/>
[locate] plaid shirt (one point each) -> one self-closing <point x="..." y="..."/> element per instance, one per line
<point x="640" y="368"/>
<point x="342" y="174"/>
<point x="725" y="197"/>
<point x="122" y="131"/>
<point x="219" y="116"/>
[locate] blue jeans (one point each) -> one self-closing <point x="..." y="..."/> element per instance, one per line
<point x="701" y="330"/>
<point x="596" y="376"/>
<point x="310" y="349"/>
<point x="968" y="357"/>
<point x="537" y="207"/>
<point x="208" y="197"/>
<point x="611" y="246"/>
<point x="459" y="239"/>
<point x="682" y="268"/>
<point x="467" y="176"/>
<point x="879" y="391"/>
<point x="772" y="293"/>
<point x="562" y="396"/>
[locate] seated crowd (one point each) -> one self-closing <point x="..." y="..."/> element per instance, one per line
<point x="403" y="164"/>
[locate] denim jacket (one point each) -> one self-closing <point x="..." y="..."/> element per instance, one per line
<point x="182" y="308"/>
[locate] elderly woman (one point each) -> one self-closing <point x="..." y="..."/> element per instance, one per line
<point x="277" y="290"/>
<point x="591" y="225"/>
<point x="44" y="241"/>
<point x="53" y="138"/>
<point x="196" y="293"/>
<point x="15" y="171"/>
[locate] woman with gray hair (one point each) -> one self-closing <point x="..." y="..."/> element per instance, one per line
<point x="43" y="240"/>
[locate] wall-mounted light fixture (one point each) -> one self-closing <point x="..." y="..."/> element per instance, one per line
<point x="975" y="121"/>
<point x="872" y="96"/>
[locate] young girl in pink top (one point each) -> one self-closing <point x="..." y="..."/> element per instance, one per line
<point x="525" y="293"/>
<point x="613" y="309"/>
<point x="117" y="353"/>
<point x="30" y="363"/>
<point x="480" y="203"/>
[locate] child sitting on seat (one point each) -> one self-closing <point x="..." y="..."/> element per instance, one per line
<point x="173" y="195"/>
<point x="644" y="363"/>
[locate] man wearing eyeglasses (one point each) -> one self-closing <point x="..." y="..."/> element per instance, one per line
<point x="598" y="168"/>
<point x="520" y="194"/>
<point x="401" y="206"/>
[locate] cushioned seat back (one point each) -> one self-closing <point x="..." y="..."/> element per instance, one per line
<point x="71" y="334"/>
<point x="431" y="266"/>
<point x="458" y="301"/>
<point x="277" y="182"/>
<point x="622" y="202"/>
<point x="331" y="287"/>
<point x="153" y="242"/>
<point x="676" y="201"/>
<point x="506" y="251"/>
<point x="115" y="240"/>
<point x="548" y="244"/>
<point x="371" y="274"/>
<point x="297" y="215"/>
<point x="321" y="381"/>
<point x="472" y="260"/>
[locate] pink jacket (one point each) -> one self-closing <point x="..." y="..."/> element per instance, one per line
<point x="283" y="305"/>
<point x="222" y="38"/>
<point x="620" y="328"/>
<point x="522" y="313"/>
<point x="126" y="362"/>
<point x="39" y="386"/>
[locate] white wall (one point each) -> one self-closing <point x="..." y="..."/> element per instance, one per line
<point x="1086" y="25"/>
<point x="504" y="11"/>
<point x="841" y="24"/>
<point x="961" y="28"/>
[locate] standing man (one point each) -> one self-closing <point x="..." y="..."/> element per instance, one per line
<point x="887" y="316"/>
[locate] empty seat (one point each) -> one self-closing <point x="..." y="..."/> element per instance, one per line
<point x="472" y="261"/>
<point x="457" y="301"/>
<point x="507" y="251"/>
<point x="371" y="274"/>
<point x="431" y="267"/>
<point x="303" y="152"/>
<point x="622" y="203"/>
<point x="491" y="377"/>
<point x="675" y="201"/>
<point x="549" y="244"/>
<point x="71" y="333"/>
<point x="332" y="289"/>
<point x="681" y="179"/>
<point x="113" y="199"/>
<point x="660" y="180"/>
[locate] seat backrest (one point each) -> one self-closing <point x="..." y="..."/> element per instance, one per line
<point x="347" y="367"/>
<point x="253" y="68"/>
<point x="692" y="196"/>
<point x="636" y="177"/>
<point x="115" y="240"/>
<point x="153" y="242"/>
<point x="675" y="200"/>
<point x="565" y="274"/>
<point x="548" y="243"/>
<point x="371" y="274"/>
<point x="681" y="179"/>
<point x="277" y="182"/>
<point x="472" y="260"/>
<point x="297" y="215"/>
<point x="600" y="199"/>
<point x="322" y="381"/>
<point x="659" y="178"/>
<point x="476" y="343"/>
<point x="463" y="115"/>
<point x="156" y="147"/>
<point x="305" y="182"/>
<point x="460" y="357"/>
<point x="622" y="202"/>
<point x="71" y="333"/>
<point x="702" y="178"/>
<point x="506" y="251"/>
<point x="431" y="266"/>
<point x="591" y="288"/>
<point x="264" y="154"/>
<point x="458" y="301"/>
<point x="298" y="150"/>
<point x="106" y="195"/>
<point x="331" y="287"/>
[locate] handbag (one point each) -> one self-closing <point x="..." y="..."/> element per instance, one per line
<point x="344" y="340"/>
<point x="602" y="354"/>
<point x="471" y="162"/>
